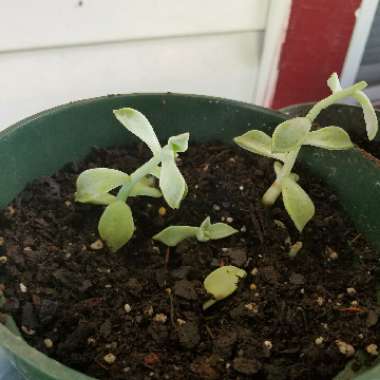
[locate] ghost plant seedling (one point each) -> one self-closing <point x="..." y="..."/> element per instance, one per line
<point x="116" y="225"/>
<point x="222" y="282"/>
<point x="173" y="235"/>
<point x="292" y="134"/>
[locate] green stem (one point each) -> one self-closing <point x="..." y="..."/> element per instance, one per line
<point x="333" y="98"/>
<point x="271" y="195"/>
<point x="137" y="175"/>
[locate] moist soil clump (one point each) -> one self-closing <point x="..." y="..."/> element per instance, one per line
<point x="137" y="313"/>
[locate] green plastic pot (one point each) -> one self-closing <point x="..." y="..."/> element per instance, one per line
<point x="43" y="143"/>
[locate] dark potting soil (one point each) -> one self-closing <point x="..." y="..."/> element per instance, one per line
<point x="137" y="313"/>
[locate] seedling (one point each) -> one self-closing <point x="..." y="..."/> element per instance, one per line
<point x="287" y="140"/>
<point x="222" y="282"/>
<point x="116" y="225"/>
<point x="173" y="235"/>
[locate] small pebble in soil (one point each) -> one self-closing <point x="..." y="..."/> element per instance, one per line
<point x="180" y="321"/>
<point x="97" y="245"/>
<point x="279" y="224"/>
<point x="216" y="207"/>
<point x="151" y="359"/>
<point x="320" y="301"/>
<point x="251" y="307"/>
<point x="162" y="211"/>
<point x="23" y="288"/>
<point x="160" y="318"/>
<point x="127" y="308"/>
<point x="243" y="229"/>
<point x="318" y="341"/>
<point x="354" y="303"/>
<point x="331" y="254"/>
<point x="229" y="219"/>
<point x="2" y="241"/>
<point x="109" y="358"/>
<point x="268" y="344"/>
<point x="351" y="291"/>
<point x="253" y="286"/>
<point x="3" y="260"/>
<point x="372" y="349"/>
<point x="345" y="349"/>
<point x="241" y="187"/>
<point x="254" y="271"/>
<point x="48" y="343"/>
<point x="67" y="203"/>
<point x="91" y="341"/>
<point x="27" y="330"/>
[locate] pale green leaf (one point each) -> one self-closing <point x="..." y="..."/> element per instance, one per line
<point x="258" y="142"/>
<point x="140" y="126"/>
<point x="145" y="187"/>
<point x="334" y="83"/>
<point x="173" y="235"/>
<point x="93" y="185"/>
<point x="290" y="134"/>
<point x="297" y="203"/>
<point x="222" y="282"/>
<point x="172" y="183"/>
<point x="179" y="143"/>
<point x="116" y="225"/>
<point x="332" y="138"/>
<point x="221" y="230"/>
<point x="370" y="118"/>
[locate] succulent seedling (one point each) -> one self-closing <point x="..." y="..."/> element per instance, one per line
<point x="221" y="283"/>
<point x="288" y="138"/>
<point x="173" y="235"/>
<point x="116" y="225"/>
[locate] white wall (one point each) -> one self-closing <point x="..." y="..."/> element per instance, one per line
<point x="55" y="51"/>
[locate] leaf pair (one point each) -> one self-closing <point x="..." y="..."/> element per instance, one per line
<point x="291" y="134"/>
<point x="173" y="235"/>
<point x="93" y="186"/>
<point x="171" y="181"/>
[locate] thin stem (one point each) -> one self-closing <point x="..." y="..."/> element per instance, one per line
<point x="137" y="175"/>
<point x="336" y="96"/>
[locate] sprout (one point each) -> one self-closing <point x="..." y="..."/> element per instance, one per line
<point x="173" y="235"/>
<point x="116" y="225"/>
<point x="287" y="140"/>
<point x="222" y="282"/>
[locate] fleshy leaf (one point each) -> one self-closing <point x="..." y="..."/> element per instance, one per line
<point x="221" y="230"/>
<point x="297" y="203"/>
<point x="94" y="184"/>
<point x="370" y="118"/>
<point x="332" y="138"/>
<point x="116" y="225"/>
<point x="179" y="143"/>
<point x="173" y="235"/>
<point x="172" y="183"/>
<point x="290" y="134"/>
<point x="258" y="142"/>
<point x="222" y="282"/>
<point x="334" y="83"/>
<point x="145" y="187"/>
<point x="140" y="126"/>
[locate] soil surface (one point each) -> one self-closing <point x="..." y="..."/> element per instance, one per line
<point x="137" y="313"/>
